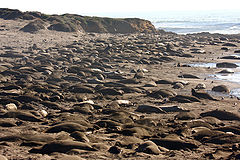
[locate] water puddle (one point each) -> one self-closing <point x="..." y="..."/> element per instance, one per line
<point x="230" y="77"/>
<point x="211" y="65"/>
<point x="208" y="65"/>
<point x="237" y="55"/>
<point x="235" y="92"/>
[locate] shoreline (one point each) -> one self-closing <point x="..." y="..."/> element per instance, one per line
<point x="113" y="96"/>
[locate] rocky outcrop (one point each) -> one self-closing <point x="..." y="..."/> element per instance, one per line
<point x="73" y="22"/>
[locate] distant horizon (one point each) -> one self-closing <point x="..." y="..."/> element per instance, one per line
<point x="121" y="9"/>
<point x="145" y="14"/>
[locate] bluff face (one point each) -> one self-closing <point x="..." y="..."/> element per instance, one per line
<point x="74" y="23"/>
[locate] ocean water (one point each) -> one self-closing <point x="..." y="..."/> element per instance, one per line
<point x="184" y="22"/>
<point x="231" y="77"/>
<point x="224" y="22"/>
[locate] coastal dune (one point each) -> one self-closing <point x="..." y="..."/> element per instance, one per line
<point x="74" y="23"/>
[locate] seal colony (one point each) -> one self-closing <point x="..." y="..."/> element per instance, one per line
<point x="81" y="95"/>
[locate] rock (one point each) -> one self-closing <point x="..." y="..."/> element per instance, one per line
<point x="221" y="88"/>
<point x="226" y="65"/>
<point x="149" y="147"/>
<point x="149" y="109"/>
<point x="62" y="147"/>
<point x="222" y="115"/>
<point x="67" y="127"/>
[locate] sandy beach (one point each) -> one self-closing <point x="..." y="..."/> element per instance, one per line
<point x="78" y="95"/>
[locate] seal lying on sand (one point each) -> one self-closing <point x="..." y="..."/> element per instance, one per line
<point x="202" y="95"/>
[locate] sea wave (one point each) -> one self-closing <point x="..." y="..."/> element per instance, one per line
<point x="185" y="27"/>
<point x="194" y="22"/>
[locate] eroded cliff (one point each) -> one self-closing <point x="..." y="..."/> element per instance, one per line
<point x="74" y="23"/>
